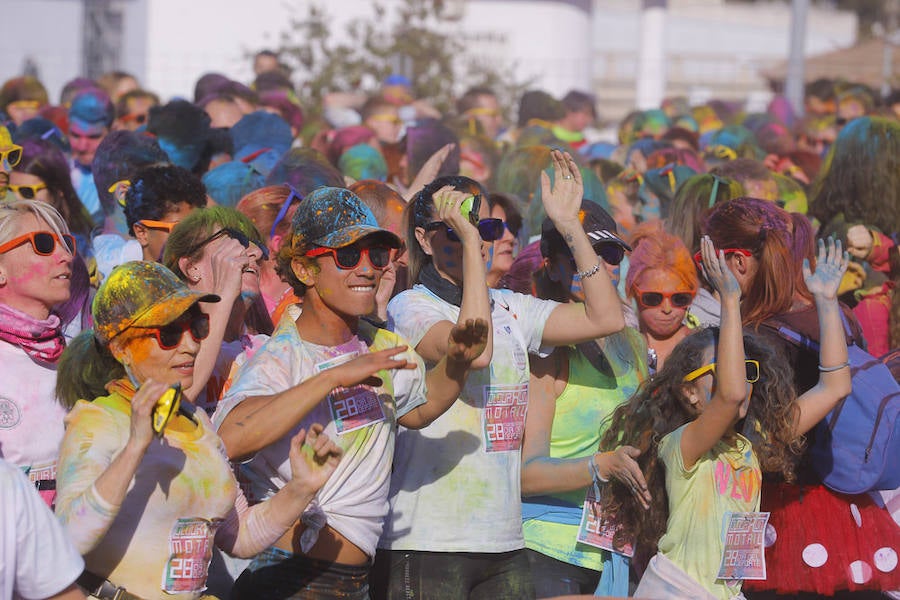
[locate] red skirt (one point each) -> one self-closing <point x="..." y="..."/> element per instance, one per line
<point x="825" y="542"/>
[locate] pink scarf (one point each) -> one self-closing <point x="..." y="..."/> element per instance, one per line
<point x="42" y="340"/>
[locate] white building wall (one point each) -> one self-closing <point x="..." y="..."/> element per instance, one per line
<point x="710" y="45"/>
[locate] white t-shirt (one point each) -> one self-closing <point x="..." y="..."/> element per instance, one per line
<point x="37" y="560"/>
<point x="31" y="418"/>
<point x="362" y="420"/>
<point x="456" y="483"/>
<point x="112" y="250"/>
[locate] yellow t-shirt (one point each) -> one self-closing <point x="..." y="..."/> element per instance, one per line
<point x="725" y="479"/>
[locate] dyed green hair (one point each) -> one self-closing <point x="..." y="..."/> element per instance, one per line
<point x="198" y="226"/>
<point x="791" y="193"/>
<point x="84" y="369"/>
<point x="693" y="201"/>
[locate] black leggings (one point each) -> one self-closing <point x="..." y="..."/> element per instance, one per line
<point x="556" y="578"/>
<point x="405" y="574"/>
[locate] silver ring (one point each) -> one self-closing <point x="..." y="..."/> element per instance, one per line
<point x="567" y="177"/>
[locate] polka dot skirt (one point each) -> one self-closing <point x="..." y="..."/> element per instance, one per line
<point x="822" y="542"/>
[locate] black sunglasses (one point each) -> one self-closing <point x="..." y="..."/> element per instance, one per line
<point x="169" y="336"/>
<point x="234" y="234"/>
<point x="349" y="257"/>
<point x="612" y="254"/>
<point x="42" y="242"/>
<point x="490" y="230"/>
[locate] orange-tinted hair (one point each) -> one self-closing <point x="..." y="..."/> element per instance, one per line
<point x="656" y="248"/>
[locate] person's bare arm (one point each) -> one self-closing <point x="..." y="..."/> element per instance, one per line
<point x="259" y="421"/>
<point x="834" y="382"/>
<point x="601" y="312"/>
<point x="445" y="381"/>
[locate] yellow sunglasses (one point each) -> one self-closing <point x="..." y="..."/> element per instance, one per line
<point x="28" y="192"/>
<point x="752" y="367"/>
<point x="12" y="155"/>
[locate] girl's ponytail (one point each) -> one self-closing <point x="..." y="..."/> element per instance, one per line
<point x="84" y="369"/>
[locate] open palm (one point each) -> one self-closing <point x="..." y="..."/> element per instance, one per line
<point x="831" y="264"/>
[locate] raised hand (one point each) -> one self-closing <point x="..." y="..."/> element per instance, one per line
<point x="831" y="263"/>
<point x="715" y="269"/>
<point x="227" y="264"/>
<point x="142" y="404"/>
<point x="429" y="171"/>
<point x="314" y="457"/>
<point x="467" y="341"/>
<point x="362" y="369"/>
<point x="447" y="209"/>
<point x="859" y="241"/>
<point x="563" y="201"/>
<point x="385" y="290"/>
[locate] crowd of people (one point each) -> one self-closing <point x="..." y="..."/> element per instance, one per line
<point x="259" y="349"/>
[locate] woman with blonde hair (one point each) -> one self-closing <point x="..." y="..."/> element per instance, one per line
<point x="36" y="258"/>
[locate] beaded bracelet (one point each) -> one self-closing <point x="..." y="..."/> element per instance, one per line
<point x="592" y="271"/>
<point x="834" y="368"/>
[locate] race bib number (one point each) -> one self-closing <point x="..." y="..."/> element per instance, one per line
<point x="190" y="550"/>
<point x="504" y="416"/>
<point x="598" y="531"/>
<point x="744" y="536"/>
<point x="354" y="407"/>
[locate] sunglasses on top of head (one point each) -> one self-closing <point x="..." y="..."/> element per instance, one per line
<point x="654" y="299"/>
<point x="349" y="257"/>
<point x="490" y="230"/>
<point x="169" y="336"/>
<point x="42" y="242"/>
<point x="234" y="234"/>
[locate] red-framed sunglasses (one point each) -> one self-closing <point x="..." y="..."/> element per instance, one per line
<point x="349" y="257"/>
<point x="698" y="258"/>
<point x="42" y="242"/>
<point x="169" y="336"/>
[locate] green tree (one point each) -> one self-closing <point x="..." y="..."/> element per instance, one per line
<point x="418" y="39"/>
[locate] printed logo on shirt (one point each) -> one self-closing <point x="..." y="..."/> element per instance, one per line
<point x="740" y="484"/>
<point x="9" y="414"/>
<point x="354" y="407"/>
<point x="190" y="550"/>
<point x="743" y="556"/>
<point x="504" y="416"/>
